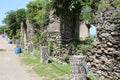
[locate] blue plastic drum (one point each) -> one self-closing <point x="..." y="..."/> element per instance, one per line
<point x="17" y="50"/>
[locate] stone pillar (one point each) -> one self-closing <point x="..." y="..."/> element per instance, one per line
<point x="43" y="54"/>
<point x="77" y="70"/>
<point x="30" y="47"/>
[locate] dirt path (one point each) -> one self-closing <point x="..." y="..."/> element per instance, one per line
<point x="10" y="67"/>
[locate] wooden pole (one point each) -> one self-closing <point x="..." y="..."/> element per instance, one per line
<point x="77" y="70"/>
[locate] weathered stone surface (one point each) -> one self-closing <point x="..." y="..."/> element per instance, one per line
<point x="77" y="70"/>
<point x="30" y="30"/>
<point x="54" y="23"/>
<point x="44" y="54"/>
<point x="83" y="31"/>
<point x="23" y="27"/>
<point x="108" y="49"/>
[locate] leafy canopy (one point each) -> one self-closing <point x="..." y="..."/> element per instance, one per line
<point x="13" y="20"/>
<point x="3" y="29"/>
<point x="37" y="12"/>
<point x="82" y="8"/>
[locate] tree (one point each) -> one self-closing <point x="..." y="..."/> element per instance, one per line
<point x="10" y="21"/>
<point x="3" y="29"/>
<point x="37" y="12"/>
<point x="71" y="13"/>
<point x="13" y="20"/>
<point x="20" y="16"/>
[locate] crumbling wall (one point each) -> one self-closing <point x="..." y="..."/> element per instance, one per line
<point x="104" y="60"/>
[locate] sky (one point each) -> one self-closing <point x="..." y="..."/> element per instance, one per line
<point x="7" y="5"/>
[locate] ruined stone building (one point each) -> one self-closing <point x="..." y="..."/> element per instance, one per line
<point x="104" y="59"/>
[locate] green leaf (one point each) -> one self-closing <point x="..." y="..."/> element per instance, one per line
<point x="86" y="13"/>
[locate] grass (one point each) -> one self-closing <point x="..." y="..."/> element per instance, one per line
<point x="51" y="71"/>
<point x="2" y="49"/>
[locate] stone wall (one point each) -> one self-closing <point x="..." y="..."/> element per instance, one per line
<point x="30" y="30"/>
<point x="27" y="33"/>
<point x="55" y="39"/>
<point x="53" y="32"/>
<point x="104" y="60"/>
<point x="54" y="23"/>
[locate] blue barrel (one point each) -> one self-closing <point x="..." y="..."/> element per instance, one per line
<point x="92" y="31"/>
<point x="17" y="50"/>
<point x="10" y="42"/>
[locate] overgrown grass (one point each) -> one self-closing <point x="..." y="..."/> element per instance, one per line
<point x="49" y="71"/>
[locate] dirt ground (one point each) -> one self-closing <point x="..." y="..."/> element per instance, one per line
<point x="10" y="66"/>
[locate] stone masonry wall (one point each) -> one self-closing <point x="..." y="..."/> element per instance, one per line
<point x="104" y="60"/>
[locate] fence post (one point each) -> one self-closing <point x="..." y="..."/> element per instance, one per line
<point x="43" y="54"/>
<point x="30" y="47"/>
<point x="77" y="70"/>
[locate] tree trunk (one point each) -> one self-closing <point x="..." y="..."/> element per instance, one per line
<point x="70" y="29"/>
<point x="24" y="34"/>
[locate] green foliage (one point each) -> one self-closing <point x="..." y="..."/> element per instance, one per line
<point x="37" y="37"/>
<point x="86" y="13"/>
<point x="10" y="21"/>
<point x="46" y="71"/>
<point x="20" y="15"/>
<point x="116" y="3"/>
<point x="41" y="17"/>
<point x="83" y="8"/>
<point x="86" y="45"/>
<point x="18" y="35"/>
<point x="74" y="47"/>
<point x="89" y="40"/>
<point x="85" y="48"/>
<point x="28" y="58"/>
<point x="37" y="12"/>
<point x="65" y="58"/>
<point x="13" y="20"/>
<point x="3" y="29"/>
<point x="102" y="5"/>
